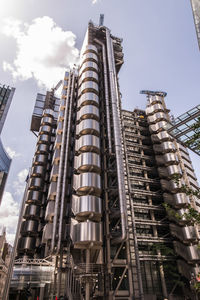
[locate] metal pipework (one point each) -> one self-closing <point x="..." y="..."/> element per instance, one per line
<point x="60" y="169"/>
<point x="106" y="93"/>
<point x="65" y="169"/>
<point x="117" y="136"/>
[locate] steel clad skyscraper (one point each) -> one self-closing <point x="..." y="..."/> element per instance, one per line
<point x="93" y="224"/>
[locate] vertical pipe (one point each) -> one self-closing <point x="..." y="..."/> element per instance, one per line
<point x="65" y="168"/>
<point x="87" y="285"/>
<point x="60" y="170"/>
<point x="106" y="94"/>
<point x="117" y="136"/>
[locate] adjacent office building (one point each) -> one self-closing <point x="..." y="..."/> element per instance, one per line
<point x="6" y="95"/>
<point x="102" y="217"/>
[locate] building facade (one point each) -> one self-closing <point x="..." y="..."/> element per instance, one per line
<point x="6" y="95"/>
<point x="93" y="223"/>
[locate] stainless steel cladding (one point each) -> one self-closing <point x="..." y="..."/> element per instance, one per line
<point x="88" y="112"/>
<point x="189" y="253"/>
<point x="36" y="183"/>
<point x="85" y="233"/>
<point x="88" y="143"/>
<point x="178" y="200"/>
<point x="34" y="197"/>
<point x="37" y="171"/>
<point x="88" y="86"/>
<point x="157" y="127"/>
<point x="157" y="117"/>
<point x="169" y="186"/>
<point x="54" y="172"/>
<point x="40" y="159"/>
<point x="52" y="190"/>
<point x="169" y="171"/>
<point x="88" y="98"/>
<point x="42" y="149"/>
<point x="89" y="48"/>
<point x="27" y="243"/>
<point x="48" y="112"/>
<point x="88" y="65"/>
<point x="160" y="137"/>
<point x="89" y="56"/>
<point x="47" y="232"/>
<point x="88" y="162"/>
<point x="87" y="183"/>
<point x="29" y="226"/>
<point x="154" y="109"/>
<point x="44" y="138"/>
<point x="167" y="159"/>
<point x="178" y="216"/>
<point x="164" y="148"/>
<point x="155" y="99"/>
<point x="184" y="234"/>
<point x="87" y="206"/>
<point x="88" y="75"/>
<point x="32" y="211"/>
<point x="47" y="121"/>
<point x="45" y="129"/>
<point x="88" y="126"/>
<point x="187" y="270"/>
<point x="49" y="213"/>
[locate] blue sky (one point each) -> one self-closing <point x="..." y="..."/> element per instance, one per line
<point x="160" y="53"/>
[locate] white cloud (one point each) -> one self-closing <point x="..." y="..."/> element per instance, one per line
<point x="44" y="50"/>
<point x="19" y="184"/>
<point x="12" y="153"/>
<point x="95" y="1"/>
<point x="9" y="211"/>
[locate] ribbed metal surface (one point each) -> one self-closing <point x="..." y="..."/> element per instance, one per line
<point x="42" y="149"/>
<point x="59" y="127"/>
<point x="167" y="159"/>
<point x="40" y="159"/>
<point x="88" y="112"/>
<point x="34" y="196"/>
<point x="86" y="206"/>
<point x="58" y="140"/>
<point x="87" y="162"/>
<point x="164" y="148"/>
<point x="160" y="137"/>
<point x="48" y="112"/>
<point x="47" y="232"/>
<point x="27" y="243"/>
<point x="45" y="129"/>
<point x="29" y="226"/>
<point x="184" y="234"/>
<point x="88" y="98"/>
<point x="158" y="127"/>
<point x="89" y="56"/>
<point x="85" y="233"/>
<point x="32" y="211"/>
<point x="189" y="253"/>
<point x="44" y="138"/>
<point x="155" y="99"/>
<point x="154" y="108"/>
<point x="88" y="74"/>
<point x="56" y="155"/>
<point x="169" y="171"/>
<point x="88" y="126"/>
<point x="157" y="117"/>
<point x="88" y="65"/>
<point x="178" y="216"/>
<point x="177" y="200"/>
<point x="54" y="172"/>
<point x="88" y="86"/>
<point x="38" y="171"/>
<point x="47" y="121"/>
<point x="87" y="183"/>
<point x="169" y="186"/>
<point x="36" y="183"/>
<point x="90" y="47"/>
<point x="88" y="143"/>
